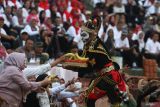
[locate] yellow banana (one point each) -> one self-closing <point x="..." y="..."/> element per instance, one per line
<point x="75" y="56"/>
<point x="70" y="55"/>
<point x="52" y="77"/>
<point x="81" y="58"/>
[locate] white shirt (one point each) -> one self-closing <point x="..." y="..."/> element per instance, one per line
<point x="101" y="30"/>
<point x="67" y="94"/>
<point x="6" y="21"/>
<point x="16" y="22"/>
<point x="48" y="13"/>
<point x="141" y="44"/>
<point x="65" y="18"/>
<point x="18" y="4"/>
<point x="152" y="10"/>
<point x="147" y="3"/>
<point x="43" y="99"/>
<point x="1" y="10"/>
<point x="97" y="1"/>
<point x="78" y="40"/>
<point x="71" y="31"/>
<point x="152" y="47"/>
<point x="30" y="71"/>
<point x="122" y="43"/>
<point x="2" y="31"/>
<point x="30" y="31"/>
<point x="55" y="90"/>
<point x="119" y="9"/>
<point x="25" y="14"/>
<point x="117" y="33"/>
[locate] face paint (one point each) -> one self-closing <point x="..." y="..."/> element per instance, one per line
<point x="85" y="36"/>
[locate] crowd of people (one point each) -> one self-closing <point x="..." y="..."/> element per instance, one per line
<point x="46" y="29"/>
<point x="130" y="29"/>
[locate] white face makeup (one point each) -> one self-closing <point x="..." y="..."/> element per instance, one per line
<point x="85" y="36"/>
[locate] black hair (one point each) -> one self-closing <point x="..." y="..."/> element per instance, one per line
<point x="41" y="77"/>
<point x="40" y="17"/>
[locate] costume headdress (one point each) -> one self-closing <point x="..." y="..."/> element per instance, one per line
<point x="93" y="24"/>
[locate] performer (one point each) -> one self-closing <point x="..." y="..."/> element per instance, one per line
<point x="107" y="79"/>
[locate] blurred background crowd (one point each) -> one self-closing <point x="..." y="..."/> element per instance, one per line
<point x="129" y="29"/>
<point x="46" y="29"/>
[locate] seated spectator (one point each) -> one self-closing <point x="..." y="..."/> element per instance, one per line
<point x="53" y="13"/>
<point x="48" y="25"/>
<point x="6" y="40"/>
<point x="152" y="48"/>
<point x="117" y="30"/>
<point x="27" y="49"/>
<point x="157" y="25"/>
<point x="118" y="7"/>
<point x="136" y="59"/>
<point x="38" y="47"/>
<point x="122" y="47"/>
<point x="26" y="9"/>
<point x="23" y="38"/>
<point x="40" y="54"/>
<point x="7" y="17"/>
<point x="32" y="29"/>
<point x="109" y="42"/>
<point x="59" y="25"/>
<point x="3" y="52"/>
<point x="14" y="94"/>
<point x="149" y="24"/>
<point x="2" y="6"/>
<point x="46" y="39"/>
<point x="42" y="16"/>
<point x="18" y="20"/>
<point x="44" y="4"/>
<point x="32" y="14"/>
<point x="14" y="3"/>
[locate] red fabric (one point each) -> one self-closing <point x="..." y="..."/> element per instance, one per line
<point x="137" y="29"/>
<point x="68" y="16"/>
<point x="61" y="4"/>
<point x="155" y="104"/>
<point x="44" y="4"/>
<point x="48" y="25"/>
<point x="32" y="16"/>
<point x="108" y="64"/>
<point x="2" y="52"/>
<point x="75" y="13"/>
<point x="117" y="78"/>
<point x="96" y="94"/>
<point x="14" y="1"/>
<point x="77" y="4"/>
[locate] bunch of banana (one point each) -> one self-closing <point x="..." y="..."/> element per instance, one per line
<point x="70" y="56"/>
<point x="81" y="58"/>
<point x="73" y="56"/>
<point x="52" y="77"/>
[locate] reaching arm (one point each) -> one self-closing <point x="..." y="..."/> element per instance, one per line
<point x="42" y="69"/>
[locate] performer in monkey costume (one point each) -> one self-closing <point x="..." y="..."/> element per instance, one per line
<point x="107" y="79"/>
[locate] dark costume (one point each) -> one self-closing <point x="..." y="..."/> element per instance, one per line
<point x="107" y="80"/>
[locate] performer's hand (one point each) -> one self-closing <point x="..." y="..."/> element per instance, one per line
<point x="58" y="60"/>
<point x="61" y="58"/>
